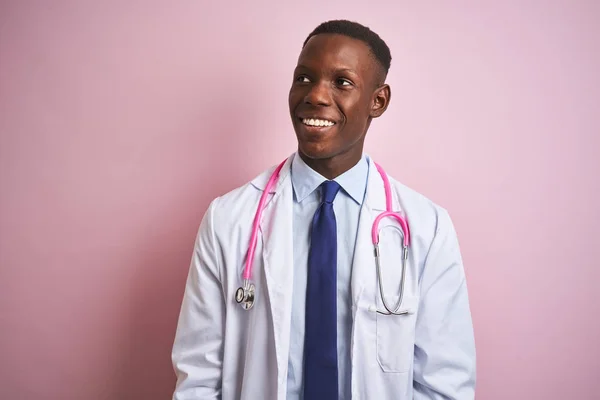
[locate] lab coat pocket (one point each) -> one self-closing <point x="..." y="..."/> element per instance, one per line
<point x="396" y="337"/>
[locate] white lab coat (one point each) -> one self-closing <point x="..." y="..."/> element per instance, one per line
<point x="224" y="352"/>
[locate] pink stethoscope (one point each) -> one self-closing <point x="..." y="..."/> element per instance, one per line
<point x="245" y="295"/>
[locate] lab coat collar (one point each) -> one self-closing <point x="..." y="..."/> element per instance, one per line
<point x="260" y="182"/>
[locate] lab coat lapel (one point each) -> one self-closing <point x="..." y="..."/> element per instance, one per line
<point x="365" y="289"/>
<point x="363" y="266"/>
<point x="277" y="236"/>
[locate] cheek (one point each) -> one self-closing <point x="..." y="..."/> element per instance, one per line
<point x="355" y="106"/>
<point x="293" y="96"/>
<point x="297" y="93"/>
<point x="357" y="115"/>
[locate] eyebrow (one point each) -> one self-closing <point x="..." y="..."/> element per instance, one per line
<point x="347" y="70"/>
<point x="335" y="69"/>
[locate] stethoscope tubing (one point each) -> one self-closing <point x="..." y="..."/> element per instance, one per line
<point x="245" y="295"/>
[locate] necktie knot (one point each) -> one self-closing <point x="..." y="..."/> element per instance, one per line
<point x="329" y="189"/>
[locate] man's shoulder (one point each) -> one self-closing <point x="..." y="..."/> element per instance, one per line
<point x="410" y="194"/>
<point x="421" y="210"/>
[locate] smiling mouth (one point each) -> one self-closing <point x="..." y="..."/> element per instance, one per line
<point x="317" y="123"/>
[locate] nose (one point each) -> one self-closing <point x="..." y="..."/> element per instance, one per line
<point x="318" y="95"/>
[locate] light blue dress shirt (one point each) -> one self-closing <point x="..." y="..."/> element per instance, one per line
<point x="346" y="206"/>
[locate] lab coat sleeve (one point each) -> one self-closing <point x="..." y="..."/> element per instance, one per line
<point x="197" y="351"/>
<point x="444" y="363"/>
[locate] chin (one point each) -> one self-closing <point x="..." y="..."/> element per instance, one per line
<point x="315" y="151"/>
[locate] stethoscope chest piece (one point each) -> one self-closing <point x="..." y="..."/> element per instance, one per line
<point x="245" y="295"/>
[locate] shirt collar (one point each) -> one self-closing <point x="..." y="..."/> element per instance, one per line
<point x="305" y="180"/>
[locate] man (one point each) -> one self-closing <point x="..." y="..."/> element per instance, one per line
<point x="314" y="331"/>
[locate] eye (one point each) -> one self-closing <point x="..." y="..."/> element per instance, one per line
<point x="343" y="82"/>
<point x="302" y="79"/>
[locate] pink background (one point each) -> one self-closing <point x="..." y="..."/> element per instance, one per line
<point x="120" y="121"/>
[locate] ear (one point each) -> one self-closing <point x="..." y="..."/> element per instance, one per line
<point x="381" y="100"/>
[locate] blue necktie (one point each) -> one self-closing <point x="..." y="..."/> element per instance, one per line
<point x="320" y="347"/>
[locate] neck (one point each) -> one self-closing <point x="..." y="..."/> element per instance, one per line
<point x="335" y="166"/>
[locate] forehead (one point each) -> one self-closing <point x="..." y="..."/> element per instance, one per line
<point x="334" y="51"/>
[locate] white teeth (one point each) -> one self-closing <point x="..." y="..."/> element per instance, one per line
<point x="317" y="122"/>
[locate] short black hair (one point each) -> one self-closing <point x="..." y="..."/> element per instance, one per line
<point x="378" y="47"/>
